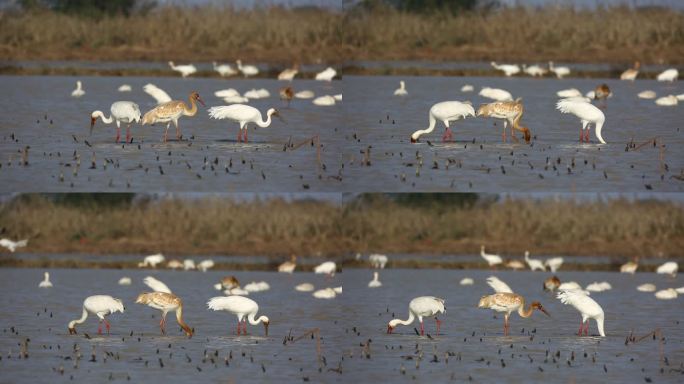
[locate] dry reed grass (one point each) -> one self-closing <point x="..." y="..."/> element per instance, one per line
<point x="277" y="228"/>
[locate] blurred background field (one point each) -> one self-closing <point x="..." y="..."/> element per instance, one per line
<point x="579" y="225"/>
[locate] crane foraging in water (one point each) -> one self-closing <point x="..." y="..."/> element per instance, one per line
<point x="445" y="112"/>
<point x="423" y="306"/>
<point x="587" y="113"/>
<point x="242" y="114"/>
<point x="511" y="112"/>
<point x="171" y="111"/>
<point x="508" y="303"/>
<point x="126" y="112"/>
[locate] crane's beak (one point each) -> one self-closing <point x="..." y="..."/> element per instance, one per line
<point x="544" y="310"/>
<point x="92" y="124"/>
<point x="277" y="114"/>
<point x="201" y="101"/>
<point x="266" y="323"/>
<point x="389" y="329"/>
<point x="413" y="140"/>
<point x="72" y="331"/>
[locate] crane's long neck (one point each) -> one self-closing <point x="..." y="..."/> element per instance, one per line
<point x="407" y="321"/>
<point x="264" y="124"/>
<point x="252" y="321"/>
<point x="429" y="129"/>
<point x="83" y="318"/>
<point x="106" y="120"/>
<point x="179" y="318"/>
<point x="193" y="110"/>
<point x="525" y="312"/>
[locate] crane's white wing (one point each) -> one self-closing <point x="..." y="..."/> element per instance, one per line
<point x="157" y="93"/>
<point x="156" y="285"/>
<point x="498" y="286"/>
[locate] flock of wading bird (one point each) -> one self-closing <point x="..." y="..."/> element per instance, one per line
<point x="571" y="101"/>
<point x="505" y="301"/>
<point x="164" y="300"/>
<point x="170" y="111"/>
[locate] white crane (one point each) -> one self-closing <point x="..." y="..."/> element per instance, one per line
<point x="507" y="69"/>
<point x="648" y="287"/>
<point x="152" y="260"/>
<point x="325" y="293"/>
<point x="78" y="92"/>
<point x="589" y="309"/>
<point x="587" y="113"/>
<point x="13" y="245"/>
<point x="156" y="285"/>
<point x="467" y="88"/>
<point x="225" y="70"/>
<point x="599" y="287"/>
<point x="247" y="70"/>
<point x="446" y="111"/>
<point x="498" y="285"/>
<point x="326" y="268"/>
<point x="125" y="281"/>
<point x="508" y="303"/>
<point x="157" y="93"/>
<point x="304" y="287"/>
<point x="666" y="294"/>
<point x="324" y="101"/>
<point x="496" y="94"/>
<point x="46" y="281"/>
<point x="305" y="94"/>
<point x="401" y="91"/>
<point x="184" y="70"/>
<point x="467" y="281"/>
<point x="375" y="283"/>
<point x="667" y="101"/>
<point x="559" y="71"/>
<point x="100" y="306"/>
<point x="256" y="94"/>
<point x="669" y="268"/>
<point x="423" y="306"/>
<point x="188" y="264"/>
<point x="244" y="115"/>
<point x="554" y="263"/>
<point x="534" y="70"/>
<point x="165" y="302"/>
<point x="244" y="308"/>
<point x="648" y="94"/>
<point x="174" y="264"/>
<point x="326" y="75"/>
<point x="491" y="259"/>
<point x="126" y="112"/>
<point x="125" y="88"/>
<point x="257" y="286"/>
<point x="668" y="75"/>
<point x="534" y="264"/>
<point x="230" y="92"/>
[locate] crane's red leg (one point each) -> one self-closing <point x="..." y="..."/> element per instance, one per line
<point x="107" y="325"/>
<point x="245" y="135"/>
<point x="239" y="136"/>
<point x="238" y="327"/>
<point x="118" y="134"/>
<point x="128" y="133"/>
<point x="439" y="323"/>
<point x="586" y="136"/>
<point x="586" y="328"/>
<point x="448" y="135"/>
<point x="166" y="132"/>
<point x="99" y="327"/>
<point x="580" y="329"/>
<point x="581" y="136"/>
<point x="244" y="326"/>
<point x="422" y="329"/>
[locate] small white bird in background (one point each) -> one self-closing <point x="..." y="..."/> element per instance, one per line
<point x="159" y="95"/>
<point x="669" y="268"/>
<point x="205" y="265"/>
<point x="100" y="306"/>
<point x="288" y="266"/>
<point x="184" y="70"/>
<point x="446" y="112"/>
<point x="632" y="73"/>
<point x="13" y="245"/>
<point x="244" y="115"/>
<point x="152" y="260"/>
<point x="648" y="287"/>
<point x="668" y="75"/>
<point x="534" y="70"/>
<point x="554" y="263"/>
<point x="324" y="101"/>
<point x="570" y="92"/>
<point x="423" y="306"/>
<point x="375" y="283"/>
<point x="78" y="92"/>
<point x="174" y="264"/>
<point x="599" y="287"/>
<point x="304" y="287"/>
<point x="587" y="113"/>
<point x="224" y="70"/>
<point x="534" y="264"/>
<point x="498" y="285"/>
<point x="377" y="260"/>
<point x="589" y="309"/>
<point x="515" y="265"/>
<point x="646" y="94"/>
<point x="326" y="75"/>
<point x="255" y="286"/>
<point x="257" y="94"/>
<point x="327" y="268"/>
<point x="46" y="281"/>
<point x="496" y="94"/>
<point x="125" y="281"/>
<point x="125" y="88"/>
<point x="467" y="88"/>
<point x="629" y="267"/>
<point x="667" y="101"/>
<point x="401" y="91"/>
<point x="559" y="71"/>
<point x="126" y="112"/>
<point x="289" y="73"/>
<point x="338" y="290"/>
<point x="244" y="308"/>
<point x="507" y="69"/>
<point x="247" y="70"/>
<point x="467" y="281"/>
<point x="226" y="93"/>
<point x="666" y="294"/>
<point x="491" y="259"/>
<point x="237" y="99"/>
<point x="325" y="293"/>
<point x="305" y="94"/>
<point x="156" y="285"/>
<point x="188" y="264"/>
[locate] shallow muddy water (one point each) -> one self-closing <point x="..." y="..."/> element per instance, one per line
<point x="478" y="161"/>
<point x="471" y="344"/>
<point x="39" y="112"/>
<point x="42" y="316"/>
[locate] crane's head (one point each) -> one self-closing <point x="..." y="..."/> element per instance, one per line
<point x="537" y="305"/>
<point x="195" y="96"/>
<point x="276" y="113"/>
<point x="93" y="119"/>
<point x="484" y="302"/>
<point x="266" y="322"/>
<point x="391" y="325"/>
<point x="414" y="137"/>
